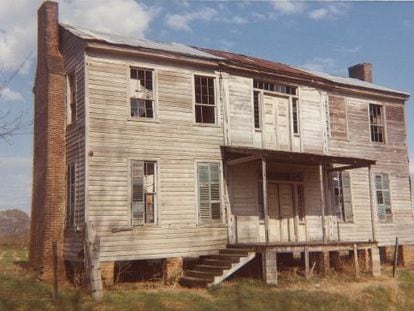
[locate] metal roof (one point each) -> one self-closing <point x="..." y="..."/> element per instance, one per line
<point x="179" y="48"/>
<point x="217" y="55"/>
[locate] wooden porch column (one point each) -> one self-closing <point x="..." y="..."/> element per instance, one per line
<point x="264" y="188"/>
<point x="372" y="206"/>
<point x="321" y="182"/>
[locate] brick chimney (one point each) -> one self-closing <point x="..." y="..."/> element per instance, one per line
<point x="361" y="71"/>
<point x="49" y="162"/>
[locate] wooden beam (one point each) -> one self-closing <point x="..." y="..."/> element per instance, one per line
<point x="243" y="160"/>
<point x="346" y="167"/>
<point x="356" y="263"/>
<point x="264" y="188"/>
<point x="306" y="255"/>
<point x="322" y="198"/>
<point x="371" y="205"/>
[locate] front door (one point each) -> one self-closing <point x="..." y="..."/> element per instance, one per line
<point x="282" y="224"/>
<point x="277" y="123"/>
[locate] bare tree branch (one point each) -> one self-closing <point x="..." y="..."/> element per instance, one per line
<point x="12" y="122"/>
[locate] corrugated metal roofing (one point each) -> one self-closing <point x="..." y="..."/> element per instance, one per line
<point x="141" y="43"/>
<point x="240" y="59"/>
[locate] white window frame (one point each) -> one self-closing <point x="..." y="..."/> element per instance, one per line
<point x="216" y="99"/>
<point x="383" y="221"/>
<point x="70" y="117"/>
<point x="155" y="109"/>
<point x="384" y="120"/>
<point x="157" y="191"/>
<point x="197" y="196"/>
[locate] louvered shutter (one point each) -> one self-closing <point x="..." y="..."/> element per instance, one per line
<point x="347" y="196"/>
<point x="215" y="191"/>
<point x="204" y="193"/>
<point x="137" y="204"/>
<point x="383" y="197"/>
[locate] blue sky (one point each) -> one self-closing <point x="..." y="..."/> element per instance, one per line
<point x="324" y="36"/>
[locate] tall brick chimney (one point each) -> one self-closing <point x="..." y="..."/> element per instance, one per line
<point x="361" y="71"/>
<point x="49" y="167"/>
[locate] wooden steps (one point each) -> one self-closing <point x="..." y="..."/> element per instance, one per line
<point x="213" y="269"/>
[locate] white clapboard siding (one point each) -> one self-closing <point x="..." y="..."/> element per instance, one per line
<point x="173" y="140"/>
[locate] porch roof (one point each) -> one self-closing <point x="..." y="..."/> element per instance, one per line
<point x="235" y="154"/>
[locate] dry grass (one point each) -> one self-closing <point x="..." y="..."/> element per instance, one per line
<point x="19" y="291"/>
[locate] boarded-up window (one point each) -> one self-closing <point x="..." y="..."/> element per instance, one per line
<point x="382" y="187"/>
<point x="71" y="98"/>
<point x="376" y="118"/>
<point x="338" y="118"/>
<point x="205" y="101"/>
<point x="142" y="93"/>
<point x="342" y="195"/>
<point x="209" y="206"/>
<point x="143" y="192"/>
<point x="70" y="195"/>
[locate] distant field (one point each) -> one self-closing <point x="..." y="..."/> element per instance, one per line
<point x="18" y="291"/>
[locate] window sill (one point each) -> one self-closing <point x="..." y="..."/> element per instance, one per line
<point x="147" y="120"/>
<point x="207" y="125"/>
<point x="258" y="130"/>
<point x="212" y="225"/>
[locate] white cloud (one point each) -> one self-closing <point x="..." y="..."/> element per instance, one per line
<point x="123" y="17"/>
<point x="10" y="95"/>
<point x="18" y="24"/>
<point x="183" y="21"/>
<point x="329" y="11"/>
<point x="288" y="7"/>
<point x="322" y="64"/>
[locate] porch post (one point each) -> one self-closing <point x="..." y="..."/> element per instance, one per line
<point x="371" y="205"/>
<point x="321" y="182"/>
<point x="264" y="188"/>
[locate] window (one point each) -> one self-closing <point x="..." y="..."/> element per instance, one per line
<point x="274" y="87"/>
<point x="71" y="98"/>
<point x="70" y="195"/>
<point x="382" y="187"/>
<point x="143" y="192"/>
<point x="376" y="123"/>
<point x="295" y="116"/>
<point x="256" y="107"/>
<point x="141" y="93"/>
<point x="209" y="205"/>
<point x="300" y="203"/>
<point x="342" y="195"/>
<point x="205" y="107"/>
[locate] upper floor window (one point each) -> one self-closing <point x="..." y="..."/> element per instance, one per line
<point x="71" y="98"/>
<point x="376" y="118"/>
<point x="142" y="92"/>
<point x="342" y="195"/>
<point x="70" y="195"/>
<point x="205" y="100"/>
<point x="143" y="192"/>
<point x="295" y="116"/>
<point x="208" y="180"/>
<point x="382" y="187"/>
<point x="257" y="110"/>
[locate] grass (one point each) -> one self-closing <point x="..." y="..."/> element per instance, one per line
<point x="20" y="291"/>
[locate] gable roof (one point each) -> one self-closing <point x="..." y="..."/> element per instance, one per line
<point x="216" y="55"/>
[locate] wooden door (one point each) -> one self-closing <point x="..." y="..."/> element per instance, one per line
<point x="281" y="213"/>
<point x="276" y="123"/>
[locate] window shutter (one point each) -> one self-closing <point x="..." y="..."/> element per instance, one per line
<point x="382" y="185"/>
<point x="137" y="204"/>
<point x="347" y="196"/>
<point x="204" y="193"/>
<point x="215" y="191"/>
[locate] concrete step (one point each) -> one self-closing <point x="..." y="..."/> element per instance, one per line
<point x="205" y="275"/>
<point x="193" y="282"/>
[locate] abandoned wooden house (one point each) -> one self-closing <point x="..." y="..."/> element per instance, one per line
<point x="166" y="152"/>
